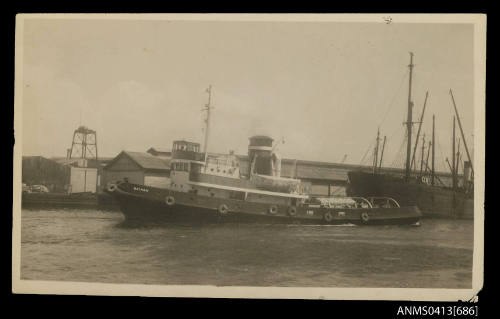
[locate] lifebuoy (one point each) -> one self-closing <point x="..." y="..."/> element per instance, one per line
<point x="111" y="188"/>
<point x="292" y="210"/>
<point x="328" y="217"/>
<point x="170" y="200"/>
<point x="223" y="209"/>
<point x="365" y="217"/>
<point x="273" y="209"/>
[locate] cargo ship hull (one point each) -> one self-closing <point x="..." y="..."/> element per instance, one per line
<point x="143" y="203"/>
<point x="431" y="200"/>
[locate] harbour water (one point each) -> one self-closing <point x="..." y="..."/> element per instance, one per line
<point x="98" y="246"/>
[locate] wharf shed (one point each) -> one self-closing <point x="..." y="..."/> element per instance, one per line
<point x="326" y="178"/>
<point x="138" y="168"/>
<point x="320" y="178"/>
<point x="38" y="170"/>
<point x="61" y="176"/>
<point x="160" y="152"/>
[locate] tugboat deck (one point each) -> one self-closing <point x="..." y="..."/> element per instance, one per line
<point x="249" y="190"/>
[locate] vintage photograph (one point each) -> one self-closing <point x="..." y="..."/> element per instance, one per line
<point x="250" y="156"/>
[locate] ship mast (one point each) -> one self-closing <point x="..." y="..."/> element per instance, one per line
<point x="409" y="122"/>
<point x="375" y="152"/>
<point x="453" y="170"/>
<point x="382" y="154"/>
<point x="422" y="154"/>
<point x="207" y="120"/>
<point x="433" y="149"/>
<point x="418" y="131"/>
<point x="462" y="132"/>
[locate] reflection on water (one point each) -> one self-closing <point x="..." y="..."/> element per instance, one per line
<point x="99" y="246"/>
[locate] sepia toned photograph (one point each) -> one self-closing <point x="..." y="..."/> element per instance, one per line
<point x="250" y="156"/>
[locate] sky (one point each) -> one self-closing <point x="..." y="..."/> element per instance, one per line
<point x="324" y="87"/>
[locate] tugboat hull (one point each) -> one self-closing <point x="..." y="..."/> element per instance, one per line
<point x="142" y="203"/>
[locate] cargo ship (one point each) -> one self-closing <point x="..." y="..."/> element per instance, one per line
<point x="423" y="187"/>
<point x="205" y="188"/>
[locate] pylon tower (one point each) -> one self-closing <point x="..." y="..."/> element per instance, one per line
<point x="84" y="144"/>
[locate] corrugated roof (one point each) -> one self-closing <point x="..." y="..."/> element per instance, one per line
<point x="160" y="149"/>
<point x="148" y="161"/>
<point x="318" y="172"/>
<point x="75" y="161"/>
<point x="264" y="137"/>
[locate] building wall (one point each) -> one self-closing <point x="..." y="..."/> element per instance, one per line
<point x="135" y="177"/>
<point x="83" y="179"/>
<point x="157" y="180"/>
<point x="124" y="163"/>
<point x="122" y="168"/>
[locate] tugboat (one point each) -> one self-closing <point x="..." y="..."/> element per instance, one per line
<point x="211" y="189"/>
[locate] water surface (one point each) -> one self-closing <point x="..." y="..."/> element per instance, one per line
<point x="98" y="246"/>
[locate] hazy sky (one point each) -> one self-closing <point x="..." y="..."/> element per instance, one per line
<point x="325" y="87"/>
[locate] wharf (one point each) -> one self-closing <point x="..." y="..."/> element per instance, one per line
<point x="79" y="200"/>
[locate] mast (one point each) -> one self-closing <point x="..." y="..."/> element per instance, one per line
<point x="382" y="154"/>
<point x="207" y="120"/>
<point x="433" y="149"/>
<point x="207" y="126"/>
<point x="453" y="170"/>
<point x="375" y="153"/>
<point x="427" y="159"/>
<point x="343" y="159"/>
<point x="409" y="122"/>
<point x="418" y="132"/>
<point x="462" y="132"/>
<point x="457" y="163"/>
<point x="422" y="154"/>
<point x="295" y="168"/>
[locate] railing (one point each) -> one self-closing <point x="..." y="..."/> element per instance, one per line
<point x="356" y="202"/>
<point x="188" y="155"/>
<point x="361" y="200"/>
<point x="383" y="202"/>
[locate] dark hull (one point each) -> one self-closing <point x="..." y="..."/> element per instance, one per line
<point x="432" y="200"/>
<point x="194" y="209"/>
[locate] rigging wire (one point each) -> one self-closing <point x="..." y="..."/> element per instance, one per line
<point x="391" y="104"/>
<point x="398" y="158"/>
<point x="388" y="109"/>
<point x="366" y="153"/>
<point x="443" y="161"/>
